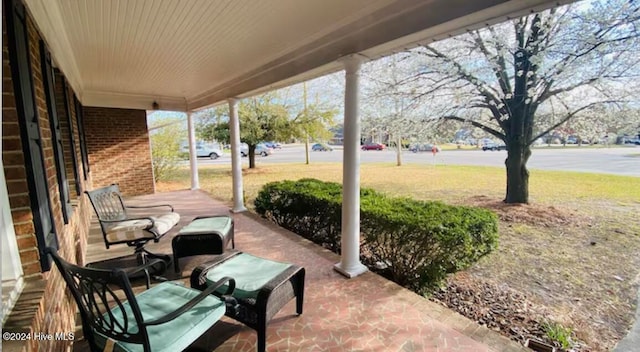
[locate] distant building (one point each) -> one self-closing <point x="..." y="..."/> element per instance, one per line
<point x="338" y="138"/>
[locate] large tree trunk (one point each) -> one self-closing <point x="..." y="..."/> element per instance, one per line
<point x="519" y="127"/>
<point x="518" y="154"/>
<point x="252" y="156"/>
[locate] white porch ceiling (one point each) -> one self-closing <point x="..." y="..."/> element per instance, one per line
<point x="188" y="54"/>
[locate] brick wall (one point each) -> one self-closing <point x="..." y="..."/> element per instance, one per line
<point x="119" y="150"/>
<point x="44" y="305"/>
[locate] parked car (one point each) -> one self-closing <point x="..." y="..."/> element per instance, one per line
<point x="210" y="150"/>
<point x="493" y="146"/>
<point x="261" y="149"/>
<point x="373" y="146"/>
<point x="319" y="147"/>
<point x="426" y="147"/>
<point x="273" y="145"/>
<point x="576" y="140"/>
<point x="630" y="140"/>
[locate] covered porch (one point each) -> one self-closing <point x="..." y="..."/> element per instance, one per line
<point x="78" y="79"/>
<point x="366" y="313"/>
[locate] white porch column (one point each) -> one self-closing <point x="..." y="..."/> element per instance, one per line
<point x="350" y="265"/>
<point x="193" y="157"/>
<point x="236" y="160"/>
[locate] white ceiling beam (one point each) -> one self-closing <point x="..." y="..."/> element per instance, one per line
<point x="132" y="101"/>
<point x="50" y="23"/>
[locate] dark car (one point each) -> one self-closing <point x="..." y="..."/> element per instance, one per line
<point x="630" y="140"/>
<point x="493" y="146"/>
<point x="373" y="146"/>
<point x="319" y="147"/>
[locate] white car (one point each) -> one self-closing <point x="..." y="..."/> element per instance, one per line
<point x="261" y="149"/>
<point x="210" y="150"/>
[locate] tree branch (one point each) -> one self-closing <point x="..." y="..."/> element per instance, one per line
<point x="475" y="124"/>
<point x="549" y="93"/>
<point x="501" y="71"/>
<point x="482" y="88"/>
<point x="569" y="116"/>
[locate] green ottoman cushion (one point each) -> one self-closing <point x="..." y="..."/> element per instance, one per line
<point x="203" y="235"/>
<point x="251" y="273"/>
<point x="201" y="226"/>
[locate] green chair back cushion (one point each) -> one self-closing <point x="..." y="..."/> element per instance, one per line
<point x="251" y="273"/>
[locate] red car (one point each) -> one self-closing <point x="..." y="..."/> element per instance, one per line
<point x="373" y="146"/>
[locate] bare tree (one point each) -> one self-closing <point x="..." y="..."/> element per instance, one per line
<point x="312" y="121"/>
<point x="561" y="63"/>
<point x="391" y="106"/>
<point x="614" y="123"/>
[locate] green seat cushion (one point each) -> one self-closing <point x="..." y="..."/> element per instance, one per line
<point x="201" y="226"/>
<point x="251" y="273"/>
<point x="177" y="334"/>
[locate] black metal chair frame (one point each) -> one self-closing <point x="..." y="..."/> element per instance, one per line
<point x="94" y="290"/>
<point x="110" y="208"/>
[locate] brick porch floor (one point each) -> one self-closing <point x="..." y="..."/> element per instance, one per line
<point x="367" y="313"/>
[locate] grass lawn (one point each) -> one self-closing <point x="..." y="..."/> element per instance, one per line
<point x="573" y="250"/>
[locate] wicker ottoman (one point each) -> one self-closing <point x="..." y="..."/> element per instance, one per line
<point x="204" y="235"/>
<point x="263" y="287"/>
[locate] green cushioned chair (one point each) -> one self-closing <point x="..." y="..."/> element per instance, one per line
<point x="262" y="287"/>
<point x="167" y="317"/>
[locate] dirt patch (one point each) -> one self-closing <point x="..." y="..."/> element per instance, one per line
<point x="575" y="262"/>
<point x="532" y="214"/>
<point x="500" y="308"/>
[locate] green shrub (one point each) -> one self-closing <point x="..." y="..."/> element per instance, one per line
<point x="310" y="208"/>
<point x="415" y="243"/>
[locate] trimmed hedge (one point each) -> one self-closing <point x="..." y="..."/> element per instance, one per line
<point x="415" y="243"/>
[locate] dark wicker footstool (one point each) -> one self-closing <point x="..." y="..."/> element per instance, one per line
<point x="203" y="235"/>
<point x="263" y="287"/>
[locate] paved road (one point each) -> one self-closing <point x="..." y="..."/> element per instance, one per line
<point x="619" y="161"/>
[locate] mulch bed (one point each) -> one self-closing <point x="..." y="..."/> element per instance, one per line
<point x="497" y="307"/>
